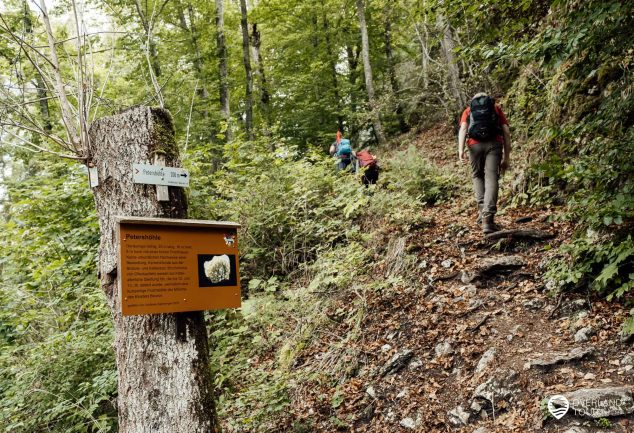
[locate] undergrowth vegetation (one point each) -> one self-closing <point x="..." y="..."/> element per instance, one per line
<point x="57" y="368"/>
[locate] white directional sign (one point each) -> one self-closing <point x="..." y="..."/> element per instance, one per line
<point x="158" y="175"/>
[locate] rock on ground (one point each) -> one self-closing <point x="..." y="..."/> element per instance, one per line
<point x="576" y="429"/>
<point x="408" y="423"/>
<point x="500" y="387"/>
<point x="486" y="359"/>
<point x="443" y="349"/>
<point x="493" y="265"/>
<point x="458" y="416"/>
<point x="601" y="402"/>
<point x="370" y="391"/>
<point x="554" y="358"/>
<point x="583" y="334"/>
<point x="397" y="362"/>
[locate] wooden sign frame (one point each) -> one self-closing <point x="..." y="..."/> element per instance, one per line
<point x="177" y="265"/>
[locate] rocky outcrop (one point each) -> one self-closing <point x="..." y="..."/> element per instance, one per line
<point x="499" y="388"/>
<point x="491" y="266"/>
<point x="601" y="402"/>
<point x="398" y="362"/>
<point x="551" y="359"/>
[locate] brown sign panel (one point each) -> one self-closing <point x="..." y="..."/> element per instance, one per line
<point x="170" y="266"/>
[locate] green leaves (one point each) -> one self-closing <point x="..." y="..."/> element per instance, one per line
<point x="56" y="362"/>
<point x="605" y="267"/>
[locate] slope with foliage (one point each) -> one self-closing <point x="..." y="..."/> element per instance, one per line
<point x="313" y="241"/>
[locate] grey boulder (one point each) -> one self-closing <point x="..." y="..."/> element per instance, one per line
<point x="554" y="358"/>
<point x="498" y="388"/>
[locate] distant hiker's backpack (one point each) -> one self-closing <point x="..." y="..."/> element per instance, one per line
<point x="483" y="121"/>
<point x="344" y="149"/>
<point x="366" y="159"/>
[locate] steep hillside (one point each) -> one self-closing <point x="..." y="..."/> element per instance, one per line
<point x="437" y="329"/>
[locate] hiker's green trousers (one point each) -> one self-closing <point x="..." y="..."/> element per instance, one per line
<point x="485" y="161"/>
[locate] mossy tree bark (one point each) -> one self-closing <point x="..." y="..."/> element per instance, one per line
<point x="448" y="45"/>
<point x="165" y="383"/>
<point x="221" y="47"/>
<point x="367" y="69"/>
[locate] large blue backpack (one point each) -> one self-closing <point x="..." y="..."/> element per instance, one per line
<point x="344" y="149"/>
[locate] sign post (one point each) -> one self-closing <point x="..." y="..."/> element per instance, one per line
<point x="160" y="175"/>
<point x="170" y="265"/>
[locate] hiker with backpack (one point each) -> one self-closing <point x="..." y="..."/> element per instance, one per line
<point x="489" y="144"/>
<point x="369" y="166"/>
<point x="342" y="150"/>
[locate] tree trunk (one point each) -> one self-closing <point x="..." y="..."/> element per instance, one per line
<point x="154" y="60"/>
<point x="256" y="43"/>
<point x="423" y="40"/>
<point x="246" y="58"/>
<point x="367" y="68"/>
<point x="222" y="67"/>
<point x="42" y="96"/>
<point x="391" y="70"/>
<point x="68" y="118"/>
<point x="332" y="56"/>
<point x="353" y="62"/>
<point x="198" y="58"/>
<point x="447" y="45"/>
<point x="265" y="97"/>
<point x="165" y="383"/>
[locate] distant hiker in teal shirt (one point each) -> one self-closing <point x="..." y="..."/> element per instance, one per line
<point x="342" y="149"/>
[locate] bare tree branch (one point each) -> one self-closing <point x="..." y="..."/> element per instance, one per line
<point x="39" y="149"/>
<point x="67" y="115"/>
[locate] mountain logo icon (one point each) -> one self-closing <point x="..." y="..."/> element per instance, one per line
<point x="558" y="406"/>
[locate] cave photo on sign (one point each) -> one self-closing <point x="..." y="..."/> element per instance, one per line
<point x="216" y="270"/>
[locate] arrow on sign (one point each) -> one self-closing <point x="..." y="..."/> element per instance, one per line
<point x="160" y="175"/>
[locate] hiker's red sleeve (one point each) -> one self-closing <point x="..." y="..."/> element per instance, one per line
<point x="465" y="116"/>
<point x="501" y="115"/>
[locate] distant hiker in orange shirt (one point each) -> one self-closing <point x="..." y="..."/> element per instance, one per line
<point x="484" y="123"/>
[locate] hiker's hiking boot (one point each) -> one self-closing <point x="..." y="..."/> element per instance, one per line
<point x="488" y="226"/>
<point x="479" y="220"/>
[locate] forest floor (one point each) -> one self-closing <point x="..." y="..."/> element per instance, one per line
<point x="459" y="337"/>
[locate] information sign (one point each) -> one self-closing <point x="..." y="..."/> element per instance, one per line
<point x="170" y="265"/>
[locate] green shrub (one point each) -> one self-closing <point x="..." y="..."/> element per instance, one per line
<point x="603" y="265"/>
<point x="57" y="368"/>
<point x="410" y="172"/>
<point x="606" y="267"/>
<point x="294" y="206"/>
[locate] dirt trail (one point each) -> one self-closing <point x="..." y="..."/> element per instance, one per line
<point x="436" y="333"/>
